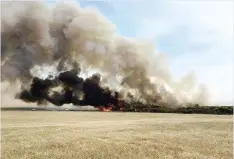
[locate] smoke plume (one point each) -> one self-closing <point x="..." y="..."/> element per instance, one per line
<point x="70" y="54"/>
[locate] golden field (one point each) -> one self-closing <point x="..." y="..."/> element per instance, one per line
<point x="99" y="135"/>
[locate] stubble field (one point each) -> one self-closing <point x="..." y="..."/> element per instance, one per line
<point x="99" y="135"/>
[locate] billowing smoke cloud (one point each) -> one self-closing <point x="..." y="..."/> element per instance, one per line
<point x="72" y="44"/>
<point x="68" y="88"/>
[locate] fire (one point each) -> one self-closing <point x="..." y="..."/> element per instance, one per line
<point x="110" y="106"/>
<point x="104" y="109"/>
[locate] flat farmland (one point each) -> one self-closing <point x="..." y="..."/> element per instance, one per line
<point x="112" y="135"/>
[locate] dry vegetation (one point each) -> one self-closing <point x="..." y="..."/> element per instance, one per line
<point x="98" y="135"/>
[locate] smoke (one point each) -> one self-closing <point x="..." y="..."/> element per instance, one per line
<point x="56" y="54"/>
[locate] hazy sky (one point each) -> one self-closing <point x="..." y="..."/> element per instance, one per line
<point x="195" y="34"/>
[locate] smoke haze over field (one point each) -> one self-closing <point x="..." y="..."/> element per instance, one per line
<point x="38" y="41"/>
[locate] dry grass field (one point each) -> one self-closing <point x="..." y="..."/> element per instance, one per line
<point x="97" y="135"/>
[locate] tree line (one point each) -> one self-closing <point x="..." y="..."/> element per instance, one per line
<point x="191" y="109"/>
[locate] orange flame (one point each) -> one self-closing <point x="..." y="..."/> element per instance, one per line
<point x="104" y="109"/>
<point x="110" y="107"/>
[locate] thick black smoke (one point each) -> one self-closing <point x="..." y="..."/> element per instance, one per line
<point x="74" y="89"/>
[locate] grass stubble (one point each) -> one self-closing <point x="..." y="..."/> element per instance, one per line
<point x="99" y="135"/>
